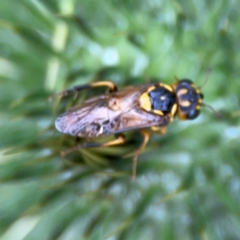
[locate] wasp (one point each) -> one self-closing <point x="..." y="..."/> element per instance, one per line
<point x="150" y="106"/>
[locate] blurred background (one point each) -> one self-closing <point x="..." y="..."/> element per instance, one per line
<point x="188" y="181"/>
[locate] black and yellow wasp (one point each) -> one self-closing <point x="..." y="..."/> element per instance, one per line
<point x="150" y="106"/>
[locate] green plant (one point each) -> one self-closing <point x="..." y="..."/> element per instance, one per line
<point x="187" y="183"/>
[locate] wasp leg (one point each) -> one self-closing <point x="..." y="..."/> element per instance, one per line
<point x="159" y="130"/>
<point x="112" y="88"/>
<point x="146" y="136"/>
<point x="120" y="139"/>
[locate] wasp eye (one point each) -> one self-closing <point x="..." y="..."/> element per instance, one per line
<point x="185" y="82"/>
<point x="192" y="114"/>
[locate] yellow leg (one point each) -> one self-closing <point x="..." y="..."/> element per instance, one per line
<point x="119" y="140"/>
<point x="159" y="130"/>
<point x="112" y="88"/>
<point x="146" y="136"/>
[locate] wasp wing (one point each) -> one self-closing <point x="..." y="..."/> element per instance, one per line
<point x="109" y="114"/>
<point x="140" y="119"/>
<point x="78" y="119"/>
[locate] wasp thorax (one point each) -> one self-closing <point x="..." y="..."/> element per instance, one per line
<point x="159" y="99"/>
<point x="162" y="99"/>
<point x="189" y="99"/>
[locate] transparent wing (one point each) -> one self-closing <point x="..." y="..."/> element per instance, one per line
<point x="109" y="114"/>
<point x="79" y="117"/>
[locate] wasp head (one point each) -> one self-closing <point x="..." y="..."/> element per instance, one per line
<point x="189" y="99"/>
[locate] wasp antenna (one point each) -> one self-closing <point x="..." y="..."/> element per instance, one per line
<point x="206" y="78"/>
<point x="176" y="78"/>
<point x="212" y="109"/>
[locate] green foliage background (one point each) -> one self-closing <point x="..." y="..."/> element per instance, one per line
<point x="188" y="182"/>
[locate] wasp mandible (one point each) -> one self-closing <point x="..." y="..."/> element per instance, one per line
<point x="150" y="106"/>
